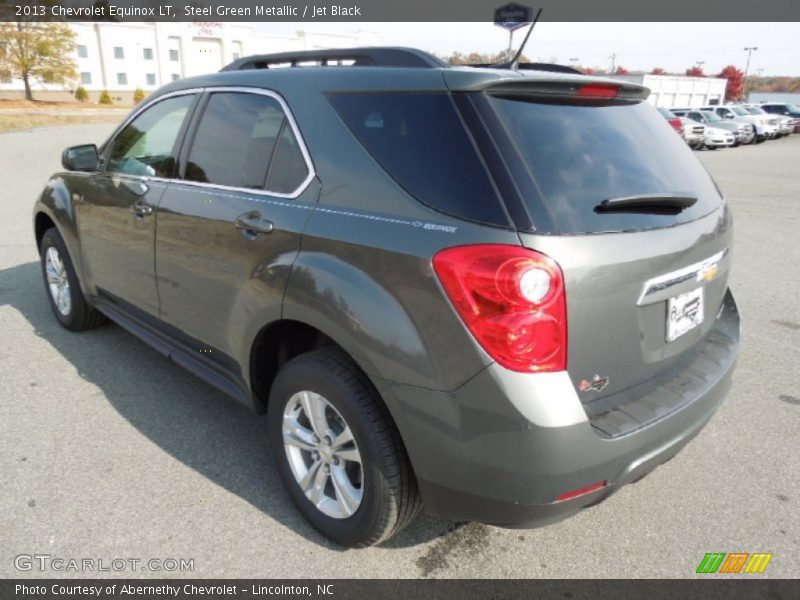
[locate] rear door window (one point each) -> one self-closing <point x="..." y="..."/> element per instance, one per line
<point x="580" y="155"/>
<point x="419" y="139"/>
<point x="237" y="140"/>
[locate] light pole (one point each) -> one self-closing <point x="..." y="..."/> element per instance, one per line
<point x="749" y="50"/>
<point x="613" y="58"/>
<point x="574" y="61"/>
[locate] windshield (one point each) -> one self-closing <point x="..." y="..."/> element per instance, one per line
<point x="712" y="117"/>
<point x="742" y="112"/>
<point x="755" y="110"/>
<point x="580" y="155"/>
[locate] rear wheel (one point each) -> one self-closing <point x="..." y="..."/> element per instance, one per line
<point x="63" y="289"/>
<point x="338" y="452"/>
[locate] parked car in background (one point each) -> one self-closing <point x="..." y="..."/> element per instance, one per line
<point x="673" y="120"/>
<point x="716" y="137"/>
<point x="742" y="132"/>
<point x="761" y="124"/>
<point x="773" y="120"/>
<point x="785" y="124"/>
<point x="694" y="133"/>
<point x="785" y="109"/>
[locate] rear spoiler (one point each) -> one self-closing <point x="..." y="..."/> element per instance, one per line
<point x="547" y="86"/>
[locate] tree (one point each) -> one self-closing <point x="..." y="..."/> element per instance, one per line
<point x="81" y="95"/>
<point x="695" y="72"/>
<point x="37" y="51"/>
<point x="105" y="98"/>
<point x="735" y="88"/>
<point x="621" y="71"/>
<point x="138" y="95"/>
<point x="658" y="71"/>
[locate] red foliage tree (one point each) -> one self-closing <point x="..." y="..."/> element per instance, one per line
<point x="621" y="71"/>
<point x="695" y="72"/>
<point x="735" y="87"/>
<point x="658" y="71"/>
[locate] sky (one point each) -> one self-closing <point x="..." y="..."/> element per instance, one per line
<point x="638" y="46"/>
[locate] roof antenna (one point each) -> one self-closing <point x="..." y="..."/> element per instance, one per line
<point x="512" y="64"/>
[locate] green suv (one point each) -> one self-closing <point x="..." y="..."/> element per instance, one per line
<point x="499" y="294"/>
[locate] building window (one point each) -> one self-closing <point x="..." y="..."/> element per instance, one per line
<point x="122" y="79"/>
<point x="86" y="78"/>
<point x="83" y="52"/>
<point x="148" y="53"/>
<point x="151" y="79"/>
<point x="235" y="56"/>
<point x="175" y="77"/>
<point x="119" y="52"/>
<point x="174" y="55"/>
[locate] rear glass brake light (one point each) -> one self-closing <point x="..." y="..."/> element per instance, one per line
<point x="599" y="90"/>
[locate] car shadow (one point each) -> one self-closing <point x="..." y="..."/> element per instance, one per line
<point x="191" y="421"/>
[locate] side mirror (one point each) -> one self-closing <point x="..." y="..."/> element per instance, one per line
<point x="80" y="158"/>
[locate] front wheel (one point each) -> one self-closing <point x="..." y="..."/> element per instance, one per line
<point x="338" y="452"/>
<point x="63" y="288"/>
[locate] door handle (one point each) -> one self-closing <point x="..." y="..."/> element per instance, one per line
<point x="142" y="209"/>
<point x="252" y="224"/>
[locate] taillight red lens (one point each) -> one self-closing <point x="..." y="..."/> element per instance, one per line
<point x="676" y="124"/>
<point x="512" y="300"/>
<point x="599" y="90"/>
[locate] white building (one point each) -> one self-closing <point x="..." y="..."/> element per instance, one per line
<point x="121" y="57"/>
<point x="677" y="91"/>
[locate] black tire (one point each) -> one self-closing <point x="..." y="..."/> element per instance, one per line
<point x="81" y="315"/>
<point x="390" y="499"/>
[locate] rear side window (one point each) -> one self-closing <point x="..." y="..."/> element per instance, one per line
<point x="580" y="155"/>
<point x="419" y="139"/>
<point x="237" y="141"/>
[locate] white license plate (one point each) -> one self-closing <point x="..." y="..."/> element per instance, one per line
<point x="684" y="313"/>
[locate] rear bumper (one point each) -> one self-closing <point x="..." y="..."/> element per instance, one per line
<point x="504" y="447"/>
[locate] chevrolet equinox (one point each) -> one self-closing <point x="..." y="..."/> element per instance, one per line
<point x="500" y="294"/>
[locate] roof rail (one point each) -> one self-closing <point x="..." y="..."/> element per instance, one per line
<point x="376" y="56"/>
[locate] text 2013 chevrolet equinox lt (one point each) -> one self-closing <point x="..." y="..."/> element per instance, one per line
<point x="498" y="294"/>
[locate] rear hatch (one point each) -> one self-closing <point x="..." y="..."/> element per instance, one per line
<point x="646" y="275"/>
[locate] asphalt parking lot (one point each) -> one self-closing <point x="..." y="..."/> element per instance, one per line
<point x="107" y="450"/>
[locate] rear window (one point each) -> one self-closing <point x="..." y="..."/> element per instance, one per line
<point x="419" y="139"/>
<point x="580" y="155"/>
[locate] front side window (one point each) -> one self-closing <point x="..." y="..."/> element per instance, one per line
<point x="241" y="141"/>
<point x="147" y="146"/>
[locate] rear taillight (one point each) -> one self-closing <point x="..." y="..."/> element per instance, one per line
<point x="676" y="125"/>
<point x="512" y="300"/>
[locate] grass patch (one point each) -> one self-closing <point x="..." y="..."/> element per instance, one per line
<point x="31" y="120"/>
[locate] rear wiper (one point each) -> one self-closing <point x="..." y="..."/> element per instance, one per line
<point x="669" y="203"/>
